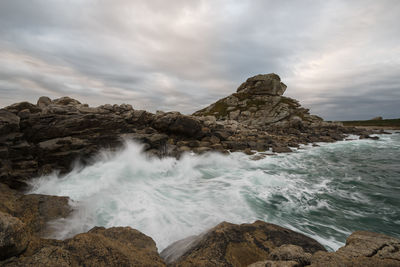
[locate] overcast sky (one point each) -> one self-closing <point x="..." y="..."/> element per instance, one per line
<point x="339" y="58"/>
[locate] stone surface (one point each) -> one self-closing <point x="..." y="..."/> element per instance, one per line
<point x="34" y="210"/>
<point x="275" y="264"/>
<point x="13" y="236"/>
<point x="235" y="245"/>
<point x="362" y="249"/>
<point x="291" y="253"/>
<point x="117" y="246"/>
<point x="268" y="84"/>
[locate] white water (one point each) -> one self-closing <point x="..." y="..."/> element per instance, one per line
<point x="171" y="199"/>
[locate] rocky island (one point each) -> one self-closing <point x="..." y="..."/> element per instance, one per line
<point x="53" y="135"/>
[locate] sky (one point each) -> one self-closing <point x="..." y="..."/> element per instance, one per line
<point x="339" y="58"/>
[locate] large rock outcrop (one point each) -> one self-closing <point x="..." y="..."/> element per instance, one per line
<point x="362" y="249"/>
<point x="117" y="246"/>
<point x="53" y="134"/>
<point x="236" y="245"/>
<point x="259" y="102"/>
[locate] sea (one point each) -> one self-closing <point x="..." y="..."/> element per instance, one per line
<point x="325" y="192"/>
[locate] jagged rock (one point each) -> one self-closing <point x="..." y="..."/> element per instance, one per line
<point x="34" y="210"/>
<point x="176" y="123"/>
<point x="17" y="107"/>
<point x="66" y="101"/>
<point x="235" y="245"/>
<point x="9" y="122"/>
<point x="362" y="249"/>
<point x="291" y="253"/>
<point x="275" y="264"/>
<point x="259" y="102"/>
<point x="13" y="236"/>
<point x="268" y="84"/>
<point x="117" y="246"/>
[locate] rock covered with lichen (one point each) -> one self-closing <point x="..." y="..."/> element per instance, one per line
<point x="260" y="102"/>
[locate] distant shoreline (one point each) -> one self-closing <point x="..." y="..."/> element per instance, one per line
<point x="389" y="124"/>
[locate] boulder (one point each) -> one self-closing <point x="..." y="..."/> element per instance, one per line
<point x="13" y="236"/>
<point x="34" y="210"/>
<point x="9" y="122"/>
<point x="291" y="253"/>
<point x="117" y="246"/>
<point x="275" y="264"/>
<point x="235" y="245"/>
<point x="43" y="101"/>
<point x="362" y="249"/>
<point x="263" y="84"/>
<point x="66" y="101"/>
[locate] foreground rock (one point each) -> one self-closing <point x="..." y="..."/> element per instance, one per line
<point x="239" y="245"/>
<point x="362" y="249"/>
<point x="34" y="210"/>
<point x="118" y="246"/>
<point x="13" y="236"/>
<point x="257" y="244"/>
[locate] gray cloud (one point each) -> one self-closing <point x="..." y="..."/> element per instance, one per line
<point x="339" y="58"/>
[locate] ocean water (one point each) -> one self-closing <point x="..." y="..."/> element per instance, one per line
<point x="325" y="192"/>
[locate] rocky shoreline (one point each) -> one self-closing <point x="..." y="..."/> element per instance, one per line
<point x="53" y="135"/>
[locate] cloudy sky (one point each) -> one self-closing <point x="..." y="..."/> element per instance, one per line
<point x="339" y="58"/>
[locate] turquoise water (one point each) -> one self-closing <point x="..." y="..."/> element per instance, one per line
<point x="325" y="192"/>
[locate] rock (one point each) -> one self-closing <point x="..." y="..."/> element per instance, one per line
<point x="269" y="84"/>
<point x="117" y="246"/>
<point x="366" y="136"/>
<point x="66" y="101"/>
<point x="34" y="210"/>
<point x="362" y="249"/>
<point x="281" y="149"/>
<point x="235" y="245"/>
<point x="214" y="140"/>
<point x="201" y="150"/>
<point x="259" y="102"/>
<point x="43" y="101"/>
<point x="291" y="253"/>
<point x="13" y="236"/>
<point x="9" y="122"/>
<point x="275" y="264"/>
<point x="17" y="107"/>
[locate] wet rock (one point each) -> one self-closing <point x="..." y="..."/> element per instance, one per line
<point x="281" y="149"/>
<point x="235" y="245"/>
<point x="13" y="236"/>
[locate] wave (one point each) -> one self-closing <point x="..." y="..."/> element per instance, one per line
<point x="325" y="192"/>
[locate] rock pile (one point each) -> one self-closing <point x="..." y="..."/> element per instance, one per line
<point x="260" y="102"/>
